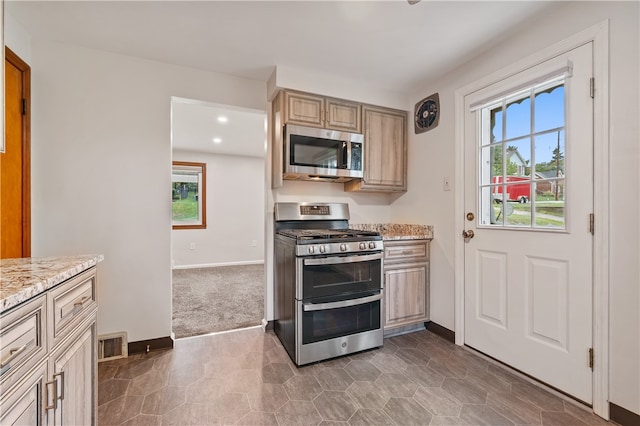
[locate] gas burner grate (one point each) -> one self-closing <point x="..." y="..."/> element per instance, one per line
<point x="326" y="234"/>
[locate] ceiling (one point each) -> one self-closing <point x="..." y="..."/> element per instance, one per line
<point x="196" y="126"/>
<point x="390" y="45"/>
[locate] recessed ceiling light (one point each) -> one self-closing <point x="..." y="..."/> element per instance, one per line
<point x="222" y="119"/>
<point x="217" y="140"/>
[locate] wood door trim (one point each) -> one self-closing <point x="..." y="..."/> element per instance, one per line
<point x="25" y="70"/>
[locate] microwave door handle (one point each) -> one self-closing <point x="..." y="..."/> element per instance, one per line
<point x="348" y="155"/>
<point x="307" y="307"/>
<point x="345" y="155"/>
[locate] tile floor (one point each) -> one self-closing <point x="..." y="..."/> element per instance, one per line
<point x="246" y="378"/>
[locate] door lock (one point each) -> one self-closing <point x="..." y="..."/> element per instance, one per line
<point x="470" y="216"/>
<point x="467" y="234"/>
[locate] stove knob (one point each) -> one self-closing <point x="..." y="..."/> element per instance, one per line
<point x="343" y="247"/>
<point x="363" y="246"/>
<point x="311" y="249"/>
<point x="372" y="245"/>
<point x="323" y="249"/>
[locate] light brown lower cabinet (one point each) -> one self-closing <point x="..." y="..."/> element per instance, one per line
<point x="406" y="283"/>
<point x="49" y="377"/>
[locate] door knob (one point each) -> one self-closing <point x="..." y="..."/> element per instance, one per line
<point x="467" y="234"/>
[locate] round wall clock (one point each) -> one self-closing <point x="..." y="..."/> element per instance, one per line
<point x="427" y="114"/>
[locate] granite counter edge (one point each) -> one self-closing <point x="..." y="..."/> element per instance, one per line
<point x="25" y="279"/>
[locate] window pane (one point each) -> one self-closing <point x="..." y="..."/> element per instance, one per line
<point x="491" y="163"/>
<point x="518" y="159"/>
<point x="549" y="109"/>
<point x="549" y="204"/>
<point x="188" y="195"/>
<point x="518" y="189"/>
<point x="549" y="154"/>
<point x="496" y="125"/>
<point x="490" y="206"/>
<point x="518" y="117"/>
<point x="185" y="198"/>
<point x="517" y="213"/>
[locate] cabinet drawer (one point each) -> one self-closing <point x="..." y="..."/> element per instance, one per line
<point x="23" y="340"/>
<point x="70" y="302"/>
<point x="403" y="251"/>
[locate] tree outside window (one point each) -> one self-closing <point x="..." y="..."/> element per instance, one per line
<point x="188" y="195"/>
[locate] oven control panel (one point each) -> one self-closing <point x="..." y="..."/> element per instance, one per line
<point x="338" y="248"/>
<point x="310" y="210"/>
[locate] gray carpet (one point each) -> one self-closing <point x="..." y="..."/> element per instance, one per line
<point x="207" y="300"/>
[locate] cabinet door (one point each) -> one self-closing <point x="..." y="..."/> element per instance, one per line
<point x="304" y="109"/>
<point x="74" y="367"/>
<point x="385" y="155"/>
<point x="24" y="405"/>
<point x="343" y="115"/>
<point x="405" y="295"/>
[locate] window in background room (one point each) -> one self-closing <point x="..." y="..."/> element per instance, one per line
<point x="188" y="195"/>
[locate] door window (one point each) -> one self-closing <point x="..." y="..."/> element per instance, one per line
<point x="522" y="158"/>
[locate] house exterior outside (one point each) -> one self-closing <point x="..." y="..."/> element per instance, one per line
<point x="79" y="93"/>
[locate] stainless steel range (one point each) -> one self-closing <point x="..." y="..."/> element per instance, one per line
<point x="328" y="282"/>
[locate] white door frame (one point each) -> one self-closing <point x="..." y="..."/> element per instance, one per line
<point x="599" y="35"/>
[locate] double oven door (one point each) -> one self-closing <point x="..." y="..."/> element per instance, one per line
<point x="338" y="305"/>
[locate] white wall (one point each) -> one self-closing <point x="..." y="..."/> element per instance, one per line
<point x="101" y="166"/>
<point x="432" y="157"/>
<point x="235" y="211"/>
<point x="17" y="38"/>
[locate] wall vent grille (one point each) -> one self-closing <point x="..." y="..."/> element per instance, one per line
<point x="112" y="346"/>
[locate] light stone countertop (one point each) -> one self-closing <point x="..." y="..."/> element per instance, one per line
<point x="397" y="231"/>
<point x="24" y="278"/>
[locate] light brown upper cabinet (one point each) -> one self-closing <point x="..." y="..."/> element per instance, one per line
<point x="384" y="129"/>
<point x="319" y="111"/>
<point x="385" y="151"/>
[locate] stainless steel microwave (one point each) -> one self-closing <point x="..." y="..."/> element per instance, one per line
<point x="321" y="154"/>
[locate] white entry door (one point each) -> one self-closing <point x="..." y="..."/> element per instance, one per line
<point x="528" y="204"/>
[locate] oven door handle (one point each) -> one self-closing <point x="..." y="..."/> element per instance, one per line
<point x="307" y="307"/>
<point x="348" y="259"/>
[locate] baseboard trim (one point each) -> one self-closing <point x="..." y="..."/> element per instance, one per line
<point x="214" y="265"/>
<point x="622" y="415"/>
<point x="267" y="325"/>
<point x="441" y="331"/>
<point x="398" y="331"/>
<point x="144" y="346"/>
